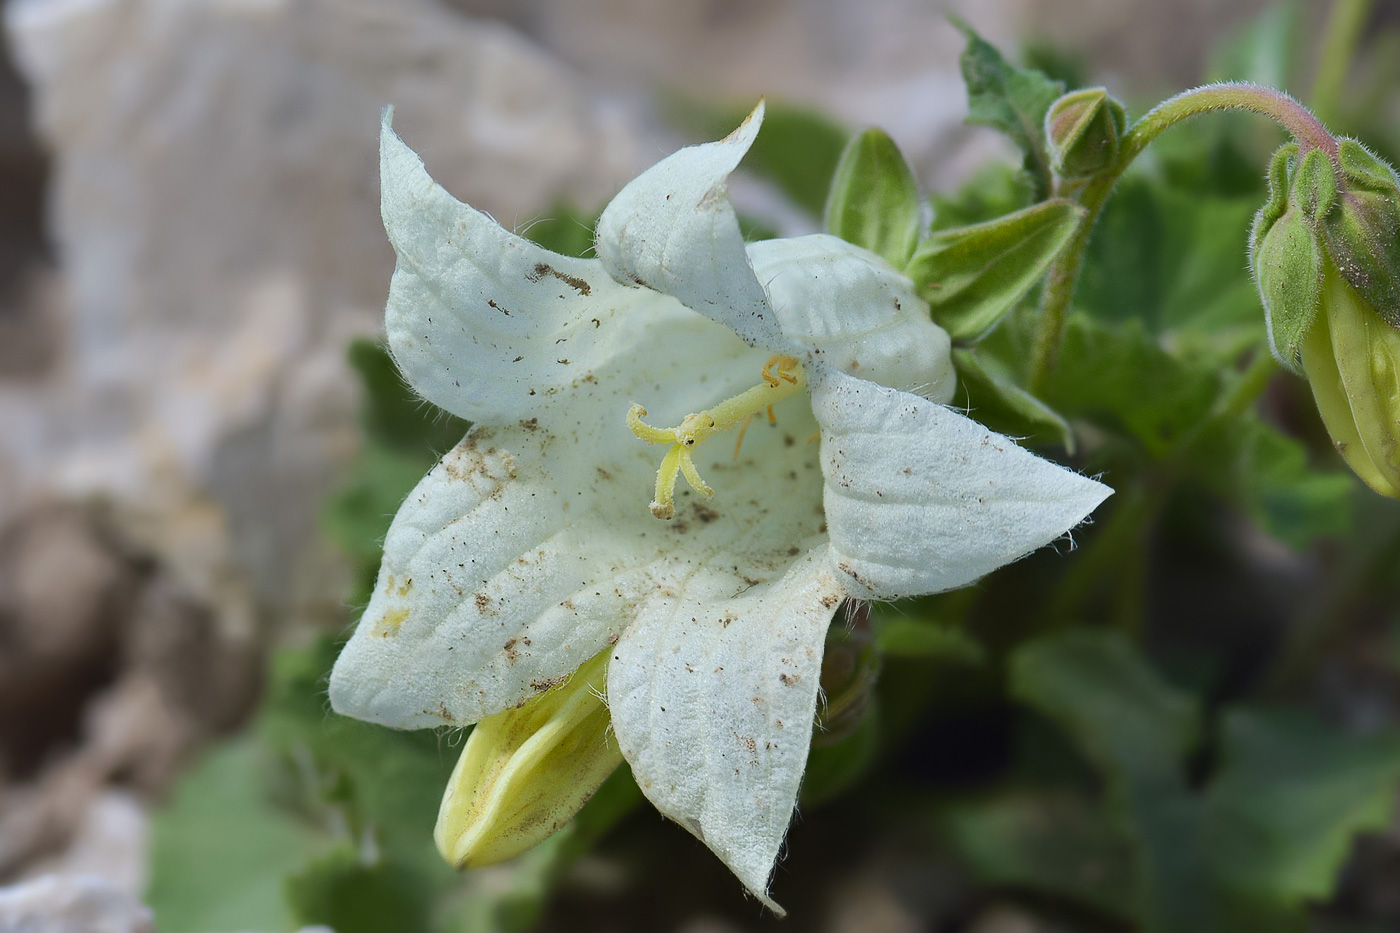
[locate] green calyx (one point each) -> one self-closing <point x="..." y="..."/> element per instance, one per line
<point x="1327" y="263"/>
<point x="1286" y="246"/>
<point x="874" y="198"/>
<point x="972" y="276"/>
<point x="1083" y="130"/>
<point x="1363" y="232"/>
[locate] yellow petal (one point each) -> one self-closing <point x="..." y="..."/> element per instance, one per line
<point x="525" y="772"/>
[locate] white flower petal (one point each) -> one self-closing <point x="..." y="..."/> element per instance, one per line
<point x="920" y="499"/>
<point x="482" y="322"/>
<point x="481" y="600"/>
<point x="673" y="229"/>
<point x="532" y="544"/>
<point x="712" y="704"/>
<point x="855" y="313"/>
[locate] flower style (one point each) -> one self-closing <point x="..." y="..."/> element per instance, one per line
<point x="557" y="528"/>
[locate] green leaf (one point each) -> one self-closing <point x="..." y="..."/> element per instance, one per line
<point x="1010" y="99"/>
<point x="902" y="637"/>
<point x="1292" y="794"/>
<point x="375" y="780"/>
<point x="1005" y="407"/>
<point x="1273" y="828"/>
<point x="798" y="149"/>
<point x="1129" y="722"/>
<point x="972" y="276"/>
<point x="1268" y="474"/>
<point x="1174" y="888"/>
<point x="350" y="894"/>
<point x="1176" y="261"/>
<point x="404" y="436"/>
<point x="1120" y="377"/>
<point x="1137" y="730"/>
<point x="874" y="200"/>
<point x="219" y="849"/>
<point x="1056" y="844"/>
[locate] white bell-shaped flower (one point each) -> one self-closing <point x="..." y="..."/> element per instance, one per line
<point x="795" y="386"/>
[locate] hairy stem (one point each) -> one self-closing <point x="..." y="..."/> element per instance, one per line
<point x="1064" y="274"/>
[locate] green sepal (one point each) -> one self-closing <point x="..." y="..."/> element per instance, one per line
<point x="1010" y="99"/>
<point x="1363" y="234"/>
<point x="1314" y="186"/>
<point x="1285" y="249"/>
<point x="874" y="199"/>
<point x="1083" y="130"/>
<point x="1277" y="181"/>
<point x="846" y="736"/>
<point x="971" y="276"/>
<point x="1288" y="272"/>
<point x="1005" y="407"/>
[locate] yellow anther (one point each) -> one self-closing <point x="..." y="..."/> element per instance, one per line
<point x="789" y="370"/>
<point x="782" y="376"/>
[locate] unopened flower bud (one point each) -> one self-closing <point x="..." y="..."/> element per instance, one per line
<point x="1327" y="262"/>
<point x="1083" y="129"/>
<point x="525" y="772"/>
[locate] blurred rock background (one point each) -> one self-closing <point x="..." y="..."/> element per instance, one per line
<point x="189" y="238"/>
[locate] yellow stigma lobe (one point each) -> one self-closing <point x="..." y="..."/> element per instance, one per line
<point x="782" y="376"/>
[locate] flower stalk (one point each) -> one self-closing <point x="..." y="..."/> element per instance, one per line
<point x="1064" y="274"/>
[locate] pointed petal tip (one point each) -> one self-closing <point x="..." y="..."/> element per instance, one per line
<point x="772" y="905"/>
<point x="745" y="132"/>
<point x="680" y="207"/>
<point x="756" y="882"/>
<point x="1093" y="494"/>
